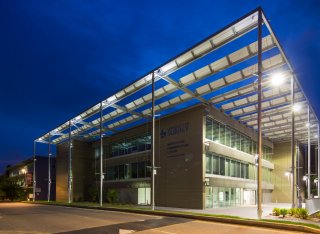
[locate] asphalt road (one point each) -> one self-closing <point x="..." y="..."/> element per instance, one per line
<point x="33" y="218"/>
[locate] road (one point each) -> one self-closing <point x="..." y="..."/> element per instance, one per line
<point x="33" y="218"/>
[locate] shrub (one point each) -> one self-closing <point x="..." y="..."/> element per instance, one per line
<point x="112" y="196"/>
<point x="302" y="213"/>
<point x="283" y="212"/>
<point x="276" y="211"/>
<point x="292" y="211"/>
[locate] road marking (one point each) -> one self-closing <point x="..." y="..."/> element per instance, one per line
<point x="124" y="231"/>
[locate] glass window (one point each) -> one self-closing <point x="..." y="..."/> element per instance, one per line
<point x="209" y="128"/>
<point x="121" y="172"/>
<point x="141" y="169"/>
<point x="222" y="134"/>
<point x="215" y="164"/>
<point x="228" y="137"/>
<point x="134" y="170"/>
<point x="215" y="131"/>
<point x="208" y="164"/>
<point x="222" y="166"/>
<point x="227" y="167"/>
<point x="232" y="168"/>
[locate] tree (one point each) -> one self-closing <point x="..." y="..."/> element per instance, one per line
<point x="10" y="189"/>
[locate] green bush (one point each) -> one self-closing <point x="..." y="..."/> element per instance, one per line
<point x="283" y="212"/>
<point x="292" y="211"/>
<point x="112" y="196"/>
<point x="302" y="213"/>
<point x="276" y="211"/>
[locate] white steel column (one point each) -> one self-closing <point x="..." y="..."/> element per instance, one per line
<point x="152" y="144"/>
<point x="259" y="177"/>
<point x="101" y="158"/>
<point x="49" y="167"/>
<point x="309" y="154"/>
<point x="318" y="135"/>
<point x="34" y="172"/>
<point x="70" y="166"/>
<point x="292" y="145"/>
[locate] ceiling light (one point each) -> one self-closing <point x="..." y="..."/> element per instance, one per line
<point x="277" y="79"/>
<point x="296" y="107"/>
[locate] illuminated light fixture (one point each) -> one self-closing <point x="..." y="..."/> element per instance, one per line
<point x="216" y="141"/>
<point x="111" y="99"/>
<point x="287" y="173"/>
<point x="148" y="77"/>
<point x="315" y="136"/>
<point x="307" y="125"/>
<point x="277" y="79"/>
<point x="78" y="117"/>
<point x="304" y="178"/>
<point x="23" y="171"/>
<point x="296" y="107"/>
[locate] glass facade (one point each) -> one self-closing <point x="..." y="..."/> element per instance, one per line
<point x="223" y="197"/>
<point x="129" y="171"/>
<point x="220" y="165"/>
<point x="225" y="135"/>
<point x="131" y="145"/>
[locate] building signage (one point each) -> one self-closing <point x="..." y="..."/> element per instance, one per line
<point x="174" y="130"/>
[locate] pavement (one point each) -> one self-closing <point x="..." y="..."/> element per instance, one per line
<point x="243" y="211"/>
<point x="35" y="218"/>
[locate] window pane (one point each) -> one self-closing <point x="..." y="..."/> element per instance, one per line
<point x="232" y="168"/>
<point x="134" y="170"/>
<point x="222" y="165"/>
<point x="208" y="164"/>
<point x="215" y="164"/>
<point x="228" y="137"/>
<point x="222" y="135"/>
<point x="209" y="128"/>
<point x="215" y="131"/>
<point x="141" y="169"/>
<point x="227" y="167"/>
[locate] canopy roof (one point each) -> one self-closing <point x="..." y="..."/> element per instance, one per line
<point x="220" y="71"/>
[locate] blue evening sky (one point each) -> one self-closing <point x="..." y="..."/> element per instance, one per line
<point x="58" y="58"/>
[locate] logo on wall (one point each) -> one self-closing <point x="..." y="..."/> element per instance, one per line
<point x="171" y="131"/>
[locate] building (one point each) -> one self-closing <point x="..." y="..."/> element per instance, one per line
<point x="187" y="133"/>
<point x="23" y="171"/>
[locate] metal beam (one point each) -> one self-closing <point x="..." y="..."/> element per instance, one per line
<point x="49" y="167"/>
<point x="101" y="157"/>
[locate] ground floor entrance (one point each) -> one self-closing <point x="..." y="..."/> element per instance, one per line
<point x="229" y="197"/>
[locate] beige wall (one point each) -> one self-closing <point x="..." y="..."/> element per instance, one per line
<point x="179" y="180"/>
<point x="282" y="163"/>
<point x="62" y="172"/>
<point x="82" y="158"/>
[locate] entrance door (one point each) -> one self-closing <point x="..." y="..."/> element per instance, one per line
<point x="144" y="196"/>
<point x="209" y="197"/>
<point x="249" y="197"/>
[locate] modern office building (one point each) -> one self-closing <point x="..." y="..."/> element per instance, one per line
<point x="187" y="133"/>
<point x="24" y="173"/>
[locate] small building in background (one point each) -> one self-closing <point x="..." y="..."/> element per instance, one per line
<point x="23" y="172"/>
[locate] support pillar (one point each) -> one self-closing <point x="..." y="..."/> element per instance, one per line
<point x="292" y="145"/>
<point x="101" y="157"/>
<point x="49" y="167"/>
<point x="34" y="172"/>
<point x="152" y="144"/>
<point x="70" y="167"/>
<point x="318" y="135"/>
<point x="309" y="155"/>
<point x="259" y="177"/>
